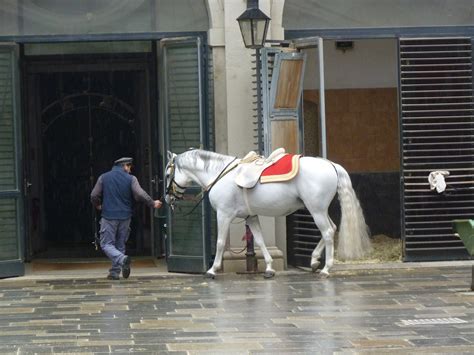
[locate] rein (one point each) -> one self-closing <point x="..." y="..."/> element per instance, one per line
<point x="208" y="188"/>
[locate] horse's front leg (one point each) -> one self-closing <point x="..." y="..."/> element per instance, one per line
<point x="254" y="224"/>
<point x="223" y="225"/>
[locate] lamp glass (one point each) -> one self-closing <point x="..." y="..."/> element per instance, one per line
<point x="246" y="30"/>
<point x="260" y="31"/>
<point x="254" y="32"/>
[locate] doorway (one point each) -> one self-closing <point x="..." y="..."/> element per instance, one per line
<point x="362" y="134"/>
<point x="83" y="111"/>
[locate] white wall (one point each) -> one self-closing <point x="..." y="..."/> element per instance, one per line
<point x="372" y="63"/>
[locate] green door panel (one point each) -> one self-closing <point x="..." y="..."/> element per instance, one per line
<point x="184" y="126"/>
<point x="11" y="252"/>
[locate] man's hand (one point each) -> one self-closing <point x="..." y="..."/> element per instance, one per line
<point x="157" y="204"/>
<point x="99" y="207"/>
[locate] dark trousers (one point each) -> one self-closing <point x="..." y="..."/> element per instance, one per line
<point x="113" y="236"/>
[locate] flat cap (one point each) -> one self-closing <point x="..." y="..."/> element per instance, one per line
<point x="125" y="160"/>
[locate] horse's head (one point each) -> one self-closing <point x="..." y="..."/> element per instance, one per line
<point x="176" y="181"/>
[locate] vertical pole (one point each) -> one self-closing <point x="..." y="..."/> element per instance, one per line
<point x="322" y="99"/>
<point x="259" y="102"/>
<point x="250" y="257"/>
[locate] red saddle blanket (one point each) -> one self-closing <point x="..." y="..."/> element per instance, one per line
<point x="284" y="169"/>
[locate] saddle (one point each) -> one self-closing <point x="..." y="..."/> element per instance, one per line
<point x="252" y="165"/>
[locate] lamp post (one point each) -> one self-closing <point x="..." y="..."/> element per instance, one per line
<point x="253" y="25"/>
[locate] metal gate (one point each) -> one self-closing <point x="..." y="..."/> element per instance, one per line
<point x="302" y="237"/>
<point x="437" y="132"/>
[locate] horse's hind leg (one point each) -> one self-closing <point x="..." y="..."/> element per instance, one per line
<point x="316" y="254"/>
<point x="223" y="225"/>
<point x="254" y="224"/>
<point x="327" y="229"/>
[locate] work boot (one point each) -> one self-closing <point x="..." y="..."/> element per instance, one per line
<point x="126" y="267"/>
<point x="112" y="277"/>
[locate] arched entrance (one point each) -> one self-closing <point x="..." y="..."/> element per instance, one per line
<point x="79" y="122"/>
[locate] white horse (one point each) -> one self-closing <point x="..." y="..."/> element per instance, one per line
<point x="314" y="187"/>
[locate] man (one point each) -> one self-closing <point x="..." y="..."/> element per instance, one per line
<point x="112" y="194"/>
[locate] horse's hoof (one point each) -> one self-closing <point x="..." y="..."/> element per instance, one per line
<point x="323" y="275"/>
<point x="314" y="266"/>
<point x="208" y="275"/>
<point x="269" y="274"/>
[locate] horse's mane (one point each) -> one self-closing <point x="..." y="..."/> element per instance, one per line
<point x="210" y="160"/>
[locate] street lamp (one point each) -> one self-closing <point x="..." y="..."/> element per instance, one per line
<point x="253" y="25"/>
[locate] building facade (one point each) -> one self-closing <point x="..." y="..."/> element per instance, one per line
<point x="85" y="82"/>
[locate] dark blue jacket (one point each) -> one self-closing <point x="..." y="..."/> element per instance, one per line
<point x="117" y="194"/>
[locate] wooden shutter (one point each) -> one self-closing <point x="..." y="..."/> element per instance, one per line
<point x="282" y="79"/>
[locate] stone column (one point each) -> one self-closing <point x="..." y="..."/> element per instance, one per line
<point x="234" y="97"/>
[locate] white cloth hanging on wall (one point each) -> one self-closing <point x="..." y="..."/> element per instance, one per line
<point x="436" y="180"/>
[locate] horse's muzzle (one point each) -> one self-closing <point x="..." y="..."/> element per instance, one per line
<point x="170" y="200"/>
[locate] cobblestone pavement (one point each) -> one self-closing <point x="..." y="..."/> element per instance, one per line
<point x="427" y="310"/>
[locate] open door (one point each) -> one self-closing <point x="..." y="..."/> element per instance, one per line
<point x="283" y="76"/>
<point x="182" y="98"/>
<point x="11" y="204"/>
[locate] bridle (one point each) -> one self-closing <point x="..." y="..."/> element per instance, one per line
<point x="173" y="188"/>
<point x="177" y="191"/>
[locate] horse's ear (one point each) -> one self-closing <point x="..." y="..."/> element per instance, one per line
<point x="170" y="155"/>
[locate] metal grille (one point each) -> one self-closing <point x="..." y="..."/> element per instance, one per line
<point x="256" y="106"/>
<point x="7" y="127"/>
<point x="437" y="126"/>
<point x="183" y="96"/>
<point x="211" y="144"/>
<point x="302" y="238"/>
<point x="267" y="62"/>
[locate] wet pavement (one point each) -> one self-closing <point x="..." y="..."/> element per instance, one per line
<point x="357" y="310"/>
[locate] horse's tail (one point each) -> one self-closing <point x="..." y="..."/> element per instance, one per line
<point x="353" y="241"/>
